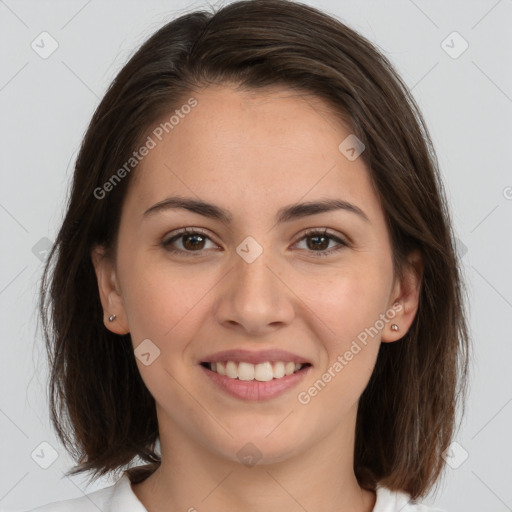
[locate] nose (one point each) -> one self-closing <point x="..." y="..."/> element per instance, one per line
<point x="255" y="297"/>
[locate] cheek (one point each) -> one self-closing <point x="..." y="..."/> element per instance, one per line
<point x="346" y="310"/>
<point x="344" y="319"/>
<point x="163" y="306"/>
<point x="346" y="302"/>
<point x="163" y="301"/>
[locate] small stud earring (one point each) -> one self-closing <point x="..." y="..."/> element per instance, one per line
<point x="394" y="327"/>
<point x="111" y="318"/>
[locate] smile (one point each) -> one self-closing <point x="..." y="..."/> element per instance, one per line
<point x="255" y="382"/>
<point x="262" y="372"/>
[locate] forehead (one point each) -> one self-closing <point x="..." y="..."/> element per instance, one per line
<point x="253" y="146"/>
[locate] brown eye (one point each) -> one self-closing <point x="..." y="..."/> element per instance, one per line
<point x="191" y="241"/>
<point x="320" y="242"/>
<point x="317" y="242"/>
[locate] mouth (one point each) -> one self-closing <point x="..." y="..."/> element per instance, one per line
<point x="261" y="372"/>
<point x="254" y="382"/>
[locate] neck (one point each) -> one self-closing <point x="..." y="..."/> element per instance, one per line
<point x="192" y="477"/>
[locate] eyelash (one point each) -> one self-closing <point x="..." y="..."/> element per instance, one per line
<point x="309" y="233"/>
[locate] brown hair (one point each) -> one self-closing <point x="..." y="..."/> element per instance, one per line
<point x="99" y="405"/>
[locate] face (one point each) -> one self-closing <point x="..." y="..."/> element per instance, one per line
<point x="311" y="283"/>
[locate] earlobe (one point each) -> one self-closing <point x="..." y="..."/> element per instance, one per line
<point x="404" y="300"/>
<point x="114" y="314"/>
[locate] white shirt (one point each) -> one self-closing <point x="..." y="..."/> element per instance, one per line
<point x="121" y="498"/>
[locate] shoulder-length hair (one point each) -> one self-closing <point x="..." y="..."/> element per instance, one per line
<point x="99" y="405"/>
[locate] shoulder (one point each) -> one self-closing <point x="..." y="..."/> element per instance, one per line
<point x="396" y="501"/>
<point x="88" y="503"/>
<point x="116" y="498"/>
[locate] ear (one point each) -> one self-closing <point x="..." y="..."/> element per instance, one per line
<point x="404" y="299"/>
<point x="109" y="290"/>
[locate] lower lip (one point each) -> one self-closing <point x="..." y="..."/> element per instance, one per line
<point x="255" y="390"/>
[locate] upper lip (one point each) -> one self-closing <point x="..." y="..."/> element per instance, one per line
<point x="254" y="357"/>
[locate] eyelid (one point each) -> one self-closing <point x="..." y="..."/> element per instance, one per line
<point x="341" y="240"/>
<point x="186" y="230"/>
<point x="179" y="232"/>
<point x="308" y="231"/>
<point x="323" y="231"/>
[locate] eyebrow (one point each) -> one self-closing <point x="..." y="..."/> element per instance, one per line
<point x="285" y="214"/>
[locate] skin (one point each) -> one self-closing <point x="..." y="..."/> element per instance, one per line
<point x="253" y="152"/>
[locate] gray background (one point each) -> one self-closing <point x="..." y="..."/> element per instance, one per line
<point x="47" y="103"/>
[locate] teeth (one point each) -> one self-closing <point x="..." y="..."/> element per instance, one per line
<point x="247" y="371"/>
<point x="262" y="372"/>
<point x="231" y="370"/>
<point x="279" y="370"/>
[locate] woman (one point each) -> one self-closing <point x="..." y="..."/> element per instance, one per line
<point x="255" y="290"/>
